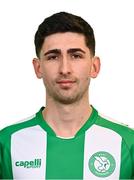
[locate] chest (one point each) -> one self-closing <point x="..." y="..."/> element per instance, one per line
<point x="93" y="155"/>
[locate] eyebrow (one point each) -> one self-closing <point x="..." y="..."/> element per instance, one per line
<point x="58" y="51"/>
<point x="55" y="51"/>
<point x="72" y="50"/>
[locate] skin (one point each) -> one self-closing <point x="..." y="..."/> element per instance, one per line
<point x="66" y="66"/>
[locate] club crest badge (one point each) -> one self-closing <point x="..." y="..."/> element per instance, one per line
<point x="102" y="164"/>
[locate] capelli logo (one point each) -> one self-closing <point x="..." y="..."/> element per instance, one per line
<point x="36" y="163"/>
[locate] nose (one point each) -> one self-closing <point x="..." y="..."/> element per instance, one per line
<point x="65" y="66"/>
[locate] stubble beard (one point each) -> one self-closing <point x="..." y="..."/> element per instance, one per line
<point x="65" y="97"/>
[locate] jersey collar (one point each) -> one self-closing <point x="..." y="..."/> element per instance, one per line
<point x="91" y="120"/>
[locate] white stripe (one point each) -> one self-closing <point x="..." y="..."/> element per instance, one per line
<point x="25" y="119"/>
<point x="101" y="139"/>
<point x="112" y="120"/>
<point x="28" y="118"/>
<point x="61" y="137"/>
<point x="27" y="145"/>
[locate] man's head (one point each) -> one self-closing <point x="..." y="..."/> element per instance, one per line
<point x="64" y="22"/>
<point x="65" y="47"/>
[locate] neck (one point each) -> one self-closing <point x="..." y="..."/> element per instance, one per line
<point x="64" y="119"/>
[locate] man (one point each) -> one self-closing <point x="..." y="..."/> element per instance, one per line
<point x="67" y="139"/>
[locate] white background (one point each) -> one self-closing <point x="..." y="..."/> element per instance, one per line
<point x="21" y="94"/>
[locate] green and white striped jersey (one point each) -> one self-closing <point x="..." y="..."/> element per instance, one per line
<point x="100" y="149"/>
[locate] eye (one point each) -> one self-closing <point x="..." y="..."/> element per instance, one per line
<point x="76" y="56"/>
<point x="52" y="57"/>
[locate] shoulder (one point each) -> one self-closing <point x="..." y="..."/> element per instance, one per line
<point x="126" y="132"/>
<point x="7" y="132"/>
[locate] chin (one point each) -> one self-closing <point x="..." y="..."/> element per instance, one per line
<point x="68" y="99"/>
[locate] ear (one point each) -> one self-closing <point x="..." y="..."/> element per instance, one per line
<point x="37" y="67"/>
<point x="95" y="68"/>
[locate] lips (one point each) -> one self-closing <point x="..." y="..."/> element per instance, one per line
<point x="65" y="81"/>
<point x="66" y="84"/>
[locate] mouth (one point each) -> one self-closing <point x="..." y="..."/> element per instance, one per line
<point x="65" y="81"/>
<point x="66" y="84"/>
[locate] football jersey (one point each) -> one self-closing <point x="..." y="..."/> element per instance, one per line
<point x="101" y="149"/>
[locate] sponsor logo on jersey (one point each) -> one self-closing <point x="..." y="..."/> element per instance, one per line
<point x="102" y="164"/>
<point x="36" y="163"/>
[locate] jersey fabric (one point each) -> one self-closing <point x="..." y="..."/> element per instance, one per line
<point x="101" y="149"/>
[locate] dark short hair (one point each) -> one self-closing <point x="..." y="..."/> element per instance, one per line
<point x="64" y="22"/>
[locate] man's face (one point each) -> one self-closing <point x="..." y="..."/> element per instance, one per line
<point x="66" y="66"/>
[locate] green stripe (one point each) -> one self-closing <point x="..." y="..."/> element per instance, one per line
<point x="6" y="165"/>
<point x="65" y="158"/>
<point x="126" y="162"/>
